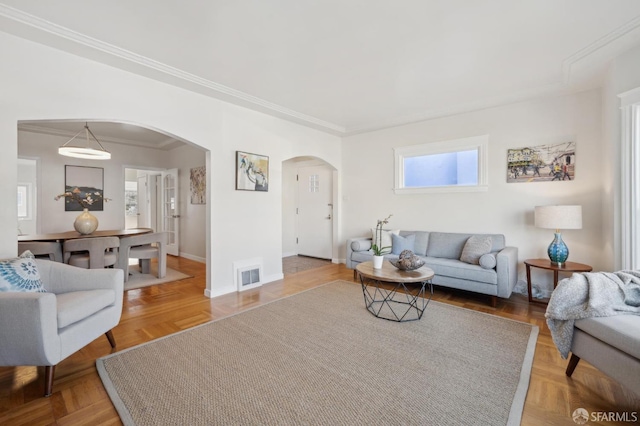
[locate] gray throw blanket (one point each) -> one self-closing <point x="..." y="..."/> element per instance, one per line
<point x="587" y="295"/>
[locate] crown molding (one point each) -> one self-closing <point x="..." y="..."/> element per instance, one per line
<point x="43" y="130"/>
<point x="207" y="87"/>
<point x="123" y="54"/>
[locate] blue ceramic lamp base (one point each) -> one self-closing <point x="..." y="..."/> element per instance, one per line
<point x="558" y="251"/>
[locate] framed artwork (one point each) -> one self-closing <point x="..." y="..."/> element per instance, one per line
<point x="542" y="163"/>
<point x="252" y="172"/>
<point x="84" y="183"/>
<point x="198" y="185"/>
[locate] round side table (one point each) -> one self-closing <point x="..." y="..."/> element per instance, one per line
<point x="546" y="264"/>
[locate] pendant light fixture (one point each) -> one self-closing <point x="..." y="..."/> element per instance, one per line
<point x="85" y="151"/>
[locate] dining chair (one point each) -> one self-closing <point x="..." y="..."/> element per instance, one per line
<point x="51" y="250"/>
<point x="91" y="253"/>
<point x="144" y="248"/>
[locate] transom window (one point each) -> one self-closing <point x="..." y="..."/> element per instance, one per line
<point x="449" y="166"/>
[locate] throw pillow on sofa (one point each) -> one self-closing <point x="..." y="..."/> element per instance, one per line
<point x="384" y="237"/>
<point x="474" y="248"/>
<point x="400" y="244"/>
<point x="488" y="261"/>
<point x="20" y="274"/>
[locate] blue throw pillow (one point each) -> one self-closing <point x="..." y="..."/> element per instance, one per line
<point x="399" y="244"/>
<point x="20" y="274"/>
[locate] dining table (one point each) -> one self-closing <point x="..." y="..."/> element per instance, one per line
<point x="70" y="235"/>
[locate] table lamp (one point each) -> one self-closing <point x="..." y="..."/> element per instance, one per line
<point x="558" y="217"/>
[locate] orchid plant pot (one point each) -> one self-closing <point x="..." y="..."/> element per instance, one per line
<point x="377" y="262"/>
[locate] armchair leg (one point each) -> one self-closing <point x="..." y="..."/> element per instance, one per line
<point x="112" y="340"/>
<point x="49" y="370"/>
<point x="494" y="301"/>
<point x="573" y="363"/>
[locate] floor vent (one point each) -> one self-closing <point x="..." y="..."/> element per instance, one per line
<point x="248" y="274"/>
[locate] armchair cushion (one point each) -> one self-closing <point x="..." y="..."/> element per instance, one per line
<point x="20" y="274"/>
<point x="78" y="305"/>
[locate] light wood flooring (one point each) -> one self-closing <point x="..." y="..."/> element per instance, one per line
<point x="80" y="399"/>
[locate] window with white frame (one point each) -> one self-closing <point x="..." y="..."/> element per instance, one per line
<point x="24" y="201"/>
<point x="458" y="165"/>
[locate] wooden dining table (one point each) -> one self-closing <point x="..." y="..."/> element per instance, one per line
<point x="70" y="235"/>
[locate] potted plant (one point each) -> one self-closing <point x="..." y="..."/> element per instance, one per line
<point x="378" y="251"/>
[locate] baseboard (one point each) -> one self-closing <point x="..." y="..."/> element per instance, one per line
<point x="289" y="254"/>
<point x="231" y="288"/>
<point x="338" y="260"/>
<point x="192" y="257"/>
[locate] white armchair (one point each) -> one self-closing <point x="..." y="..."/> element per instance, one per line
<point x="43" y="329"/>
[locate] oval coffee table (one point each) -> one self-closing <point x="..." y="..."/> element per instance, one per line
<point x="393" y="294"/>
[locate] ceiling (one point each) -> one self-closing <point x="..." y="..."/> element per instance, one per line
<point x="345" y="66"/>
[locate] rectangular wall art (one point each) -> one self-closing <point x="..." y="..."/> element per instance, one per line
<point x="252" y="172"/>
<point x="198" y="185"/>
<point x="542" y="163"/>
<point x="85" y="188"/>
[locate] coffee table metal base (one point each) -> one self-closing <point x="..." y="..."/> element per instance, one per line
<point x="396" y="301"/>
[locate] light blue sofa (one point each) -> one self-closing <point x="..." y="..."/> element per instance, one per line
<point x="441" y="252"/>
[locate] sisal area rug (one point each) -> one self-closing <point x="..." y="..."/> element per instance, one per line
<point x="139" y="280"/>
<point x="320" y="358"/>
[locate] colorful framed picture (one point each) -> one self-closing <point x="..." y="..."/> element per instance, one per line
<point x="198" y="185"/>
<point x="86" y="184"/>
<point x="542" y="163"/>
<point x="252" y="172"/>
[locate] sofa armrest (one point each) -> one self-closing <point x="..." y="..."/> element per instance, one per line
<point x="361" y="244"/>
<point x="61" y="278"/>
<point x="507" y="269"/>
<point x="29" y="332"/>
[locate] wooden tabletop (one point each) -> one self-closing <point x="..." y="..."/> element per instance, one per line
<point x="566" y="266"/>
<point x="390" y="273"/>
<point x="70" y="235"/>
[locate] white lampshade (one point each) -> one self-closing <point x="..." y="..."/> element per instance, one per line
<point x="558" y="217"/>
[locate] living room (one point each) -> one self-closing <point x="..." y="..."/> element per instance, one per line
<point x="61" y="79"/>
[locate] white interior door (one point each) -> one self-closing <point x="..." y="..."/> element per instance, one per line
<point x="315" y="212"/>
<point x="170" y="214"/>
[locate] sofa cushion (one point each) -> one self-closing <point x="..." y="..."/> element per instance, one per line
<point x="446" y="245"/>
<point x="449" y="245"/>
<point x="20" y="274"/>
<point x="384" y="237"/>
<point x="78" y="305"/>
<point x="619" y="331"/>
<point x="457" y="269"/>
<point x="422" y="240"/>
<point x="361" y="245"/>
<point x="488" y="261"/>
<point x="474" y="248"/>
<point x="399" y="244"/>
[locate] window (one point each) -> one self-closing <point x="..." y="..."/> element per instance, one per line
<point x="449" y="166"/>
<point x="629" y="250"/>
<point x="24" y="201"/>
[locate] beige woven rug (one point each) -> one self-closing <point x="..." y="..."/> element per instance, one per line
<point x="320" y="358"/>
<point x="139" y="280"/>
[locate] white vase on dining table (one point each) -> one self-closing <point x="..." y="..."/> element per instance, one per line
<point x="86" y="223"/>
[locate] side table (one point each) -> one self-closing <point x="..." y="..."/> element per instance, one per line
<point x="546" y="264"/>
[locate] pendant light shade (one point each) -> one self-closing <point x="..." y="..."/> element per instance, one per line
<point x="86" y="151"/>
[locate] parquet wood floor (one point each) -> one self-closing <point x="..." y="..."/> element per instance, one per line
<point x="80" y="399"/>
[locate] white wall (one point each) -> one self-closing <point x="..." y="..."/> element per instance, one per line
<point x="622" y="76"/>
<point x="39" y="82"/>
<point x="52" y="170"/>
<point x="192" y="216"/>
<point x="506" y="208"/>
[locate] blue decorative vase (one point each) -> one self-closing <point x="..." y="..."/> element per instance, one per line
<point x="558" y="251"/>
